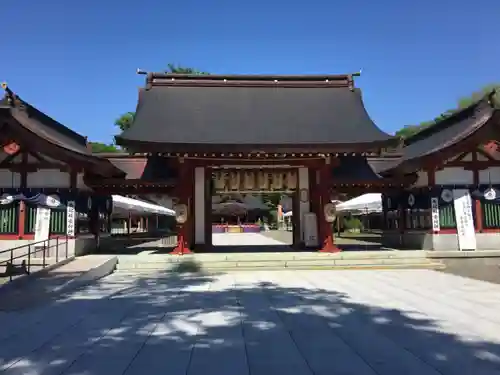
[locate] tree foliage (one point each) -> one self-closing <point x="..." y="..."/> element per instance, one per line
<point x="100" y="148"/>
<point x="125" y="121"/>
<point x="178" y="69"/>
<point x="409" y="130"/>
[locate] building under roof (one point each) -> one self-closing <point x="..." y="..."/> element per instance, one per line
<point x="245" y="113"/>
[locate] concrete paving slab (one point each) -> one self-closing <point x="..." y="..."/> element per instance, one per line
<point x="41" y="287"/>
<point x="295" y="322"/>
<point x="243" y="239"/>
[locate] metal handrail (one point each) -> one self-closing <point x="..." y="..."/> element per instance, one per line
<point x="11" y="270"/>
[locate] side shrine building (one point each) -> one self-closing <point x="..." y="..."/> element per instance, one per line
<point x="43" y="169"/>
<point x="454" y="204"/>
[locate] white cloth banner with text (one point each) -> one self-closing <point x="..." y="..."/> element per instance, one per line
<point x="464" y="218"/>
<point x="42" y="224"/>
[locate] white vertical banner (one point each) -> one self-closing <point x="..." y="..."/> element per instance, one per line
<point x="42" y="224"/>
<point x="436" y="225"/>
<point x="199" y="205"/>
<point x="304" y="205"/>
<point x="70" y="218"/>
<point x="464" y="218"/>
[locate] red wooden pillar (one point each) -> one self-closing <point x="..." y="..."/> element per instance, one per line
<point x="208" y="209"/>
<point x="296" y="220"/>
<point x="22" y="220"/>
<point x="184" y="195"/>
<point x="325" y="229"/>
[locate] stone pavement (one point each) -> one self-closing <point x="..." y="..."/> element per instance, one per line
<point x="243" y="239"/>
<point x="286" y="322"/>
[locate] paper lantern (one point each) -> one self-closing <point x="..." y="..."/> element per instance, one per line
<point x="277" y="179"/>
<point x="234" y="181"/>
<point x="249" y="180"/>
<point x="291" y="180"/>
<point x="263" y="181"/>
<point x="220" y="181"/>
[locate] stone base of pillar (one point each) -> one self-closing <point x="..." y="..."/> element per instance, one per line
<point x="182" y="247"/>
<point x="329" y="246"/>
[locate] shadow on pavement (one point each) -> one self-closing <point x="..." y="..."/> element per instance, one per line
<point x="188" y="324"/>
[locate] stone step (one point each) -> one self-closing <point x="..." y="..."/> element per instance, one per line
<point x="426" y="265"/>
<point x="264" y="257"/>
<point x="279" y="264"/>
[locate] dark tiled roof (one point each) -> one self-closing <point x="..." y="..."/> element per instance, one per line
<point x="133" y="167"/>
<point x="49" y="128"/>
<point x="244" y="112"/>
<point x="446" y="133"/>
<point x="35" y="123"/>
<point x="353" y="170"/>
<point x="380" y="164"/>
<point x="152" y="168"/>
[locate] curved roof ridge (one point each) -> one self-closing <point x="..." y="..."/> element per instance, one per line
<point x="14" y="100"/>
<point x="450" y="120"/>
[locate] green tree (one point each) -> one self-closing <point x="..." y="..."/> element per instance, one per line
<point x="410" y="130"/>
<point x="99" y="148"/>
<point x="178" y="69"/>
<point x="126" y="120"/>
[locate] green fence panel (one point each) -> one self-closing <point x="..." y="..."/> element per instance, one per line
<point x="9" y="218"/>
<point x="447" y="217"/>
<point x="491" y="213"/>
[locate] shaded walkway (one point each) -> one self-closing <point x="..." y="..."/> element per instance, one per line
<point x="300" y="322"/>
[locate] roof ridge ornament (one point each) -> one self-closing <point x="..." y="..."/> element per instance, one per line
<point x="11" y="97"/>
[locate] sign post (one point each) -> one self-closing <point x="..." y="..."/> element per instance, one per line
<point x="436" y="225"/>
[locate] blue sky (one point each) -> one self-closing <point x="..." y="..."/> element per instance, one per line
<point x="76" y="61"/>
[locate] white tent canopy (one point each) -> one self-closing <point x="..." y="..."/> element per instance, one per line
<point x="290" y="213"/>
<point x="121" y="203"/>
<point x="365" y="203"/>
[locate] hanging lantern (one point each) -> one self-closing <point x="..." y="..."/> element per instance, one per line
<point x="263" y="180"/>
<point x="291" y="180"/>
<point x="249" y="180"/>
<point x="330" y="212"/>
<point x="234" y="180"/>
<point x="220" y="181"/>
<point x="277" y="179"/>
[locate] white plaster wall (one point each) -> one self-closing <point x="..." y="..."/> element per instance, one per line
<point x="199" y="205"/>
<point x="454" y="175"/>
<point x="490" y="174"/>
<point x="304" y="207"/>
<point x="9" y="179"/>
<point x="48" y="178"/>
<point x="467" y="157"/>
<point x="481" y="157"/>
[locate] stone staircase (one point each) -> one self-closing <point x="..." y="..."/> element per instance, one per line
<point x="278" y="261"/>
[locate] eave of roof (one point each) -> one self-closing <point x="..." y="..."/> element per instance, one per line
<point x="444" y="138"/>
<point x="35" y="126"/>
<point x="204" y="112"/>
